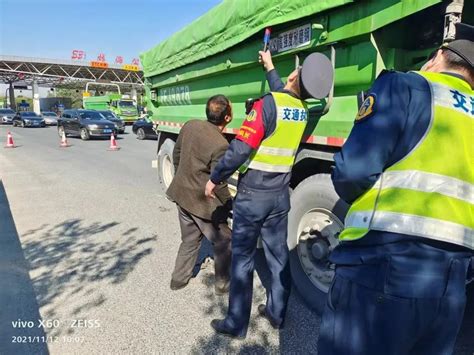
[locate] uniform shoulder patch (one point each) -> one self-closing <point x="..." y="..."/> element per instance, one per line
<point x="366" y="109"/>
<point x="252" y="115"/>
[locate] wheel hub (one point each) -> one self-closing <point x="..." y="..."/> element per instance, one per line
<point x="318" y="233"/>
<point x="320" y="250"/>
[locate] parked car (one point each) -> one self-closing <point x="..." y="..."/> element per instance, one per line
<point x="28" y="119"/>
<point x="143" y="128"/>
<point x="112" y="117"/>
<point x="86" y="124"/>
<point x="6" y="115"/>
<point x="50" y="118"/>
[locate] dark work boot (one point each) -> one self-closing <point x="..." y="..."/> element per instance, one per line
<point x="220" y="328"/>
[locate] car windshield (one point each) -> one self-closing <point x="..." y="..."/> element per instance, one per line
<point x="6" y="111"/>
<point x="107" y="114"/>
<point x="49" y="114"/>
<point x="28" y="114"/>
<point x="91" y="115"/>
<point x="126" y="103"/>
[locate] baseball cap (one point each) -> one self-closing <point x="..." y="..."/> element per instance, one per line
<point x="463" y="45"/>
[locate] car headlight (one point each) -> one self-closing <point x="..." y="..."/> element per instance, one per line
<point x="93" y="126"/>
<point x="27" y="121"/>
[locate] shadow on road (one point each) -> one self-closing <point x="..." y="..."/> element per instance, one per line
<point x="17" y="296"/>
<point x="298" y="336"/>
<point x="72" y="260"/>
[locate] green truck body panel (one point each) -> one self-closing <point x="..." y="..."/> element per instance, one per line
<point x="217" y="54"/>
<point x="128" y="114"/>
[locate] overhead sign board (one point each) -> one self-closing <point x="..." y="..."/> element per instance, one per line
<point x="97" y="64"/>
<point x="130" y="67"/>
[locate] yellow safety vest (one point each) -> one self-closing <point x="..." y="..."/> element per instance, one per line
<point x="277" y="152"/>
<point x="430" y="192"/>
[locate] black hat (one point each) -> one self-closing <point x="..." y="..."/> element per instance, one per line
<point x="463" y="45"/>
<point x="316" y="76"/>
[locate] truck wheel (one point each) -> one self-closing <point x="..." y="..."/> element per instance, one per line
<point x="315" y="221"/>
<point x="165" y="163"/>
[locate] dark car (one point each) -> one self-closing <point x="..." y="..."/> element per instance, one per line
<point x="85" y="123"/>
<point x="28" y="119"/>
<point x="50" y="118"/>
<point x="143" y="128"/>
<point x="110" y="116"/>
<point x="6" y="115"/>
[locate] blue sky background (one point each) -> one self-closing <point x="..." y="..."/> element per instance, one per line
<point x="53" y="28"/>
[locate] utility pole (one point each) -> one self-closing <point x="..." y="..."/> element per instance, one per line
<point x="11" y="91"/>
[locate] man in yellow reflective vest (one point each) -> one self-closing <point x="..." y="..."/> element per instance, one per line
<point x="405" y="254"/>
<point x="264" y="152"/>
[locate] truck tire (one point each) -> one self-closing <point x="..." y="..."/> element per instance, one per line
<point x="315" y="221"/>
<point x="165" y="163"/>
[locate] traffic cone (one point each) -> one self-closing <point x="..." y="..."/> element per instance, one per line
<point x="113" y="143"/>
<point x="64" y="143"/>
<point x="10" y="143"/>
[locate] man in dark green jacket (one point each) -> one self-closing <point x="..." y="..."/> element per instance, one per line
<point x="199" y="147"/>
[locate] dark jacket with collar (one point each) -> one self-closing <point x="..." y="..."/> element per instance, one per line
<point x="239" y="151"/>
<point x="198" y="148"/>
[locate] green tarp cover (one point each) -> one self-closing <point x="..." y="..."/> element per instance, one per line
<point x="224" y="26"/>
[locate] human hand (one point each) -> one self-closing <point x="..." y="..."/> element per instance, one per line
<point x="266" y="59"/>
<point x="209" y="191"/>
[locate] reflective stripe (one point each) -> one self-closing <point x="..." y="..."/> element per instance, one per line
<point x="413" y="225"/>
<point x="443" y="96"/>
<point x="277" y="151"/>
<point x="270" y="167"/>
<point x="427" y="182"/>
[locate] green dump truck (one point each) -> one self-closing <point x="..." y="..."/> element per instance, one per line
<point x="121" y="105"/>
<point x="217" y="53"/>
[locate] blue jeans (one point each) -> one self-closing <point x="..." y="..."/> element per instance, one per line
<point x="265" y="214"/>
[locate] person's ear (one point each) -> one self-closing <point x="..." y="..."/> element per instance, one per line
<point x="293" y="76"/>
<point x="434" y="60"/>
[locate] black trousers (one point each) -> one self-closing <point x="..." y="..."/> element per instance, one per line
<point x="193" y="229"/>
<point x="404" y="298"/>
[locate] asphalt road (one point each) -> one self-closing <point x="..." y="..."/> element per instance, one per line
<point x="91" y="237"/>
<point x="87" y="247"/>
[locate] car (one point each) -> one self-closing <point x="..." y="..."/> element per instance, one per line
<point x="86" y="124"/>
<point x="6" y="115"/>
<point x="112" y="117"/>
<point x="50" y="118"/>
<point x="28" y="119"/>
<point x="143" y="128"/>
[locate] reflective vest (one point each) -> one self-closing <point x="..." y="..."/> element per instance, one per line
<point x="430" y="192"/>
<point x="277" y="152"/>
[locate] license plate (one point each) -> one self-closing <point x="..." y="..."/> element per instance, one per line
<point x="107" y="131"/>
<point x="36" y="123"/>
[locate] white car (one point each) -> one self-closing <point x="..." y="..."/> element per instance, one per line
<point x="50" y="118"/>
<point x="6" y="115"/>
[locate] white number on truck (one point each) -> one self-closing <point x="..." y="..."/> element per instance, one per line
<point x="176" y="95"/>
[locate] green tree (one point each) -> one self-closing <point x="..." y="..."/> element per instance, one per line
<point x="73" y="94"/>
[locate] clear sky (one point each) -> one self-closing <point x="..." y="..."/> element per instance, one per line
<point x="53" y="28"/>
